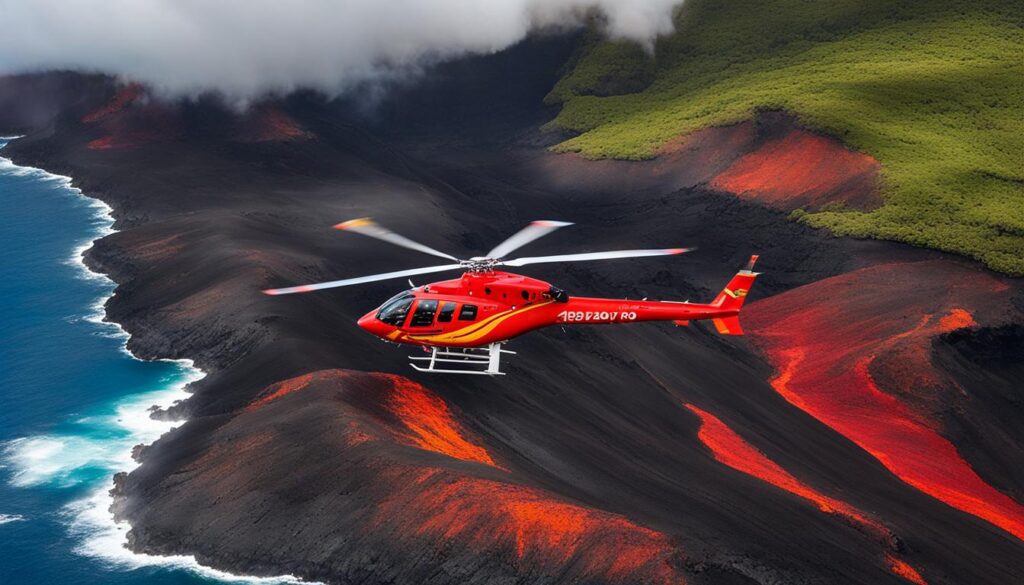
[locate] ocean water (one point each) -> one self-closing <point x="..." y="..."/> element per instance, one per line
<point x="73" y="401"/>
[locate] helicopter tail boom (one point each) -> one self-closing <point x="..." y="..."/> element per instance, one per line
<point x="723" y="311"/>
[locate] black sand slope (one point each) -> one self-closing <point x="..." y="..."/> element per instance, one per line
<point x="312" y="449"/>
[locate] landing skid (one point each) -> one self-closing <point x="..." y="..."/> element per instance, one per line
<point x="462" y="360"/>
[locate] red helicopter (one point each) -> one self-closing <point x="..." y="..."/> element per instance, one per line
<point x="463" y="322"/>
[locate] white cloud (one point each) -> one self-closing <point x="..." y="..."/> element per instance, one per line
<point x="244" y="48"/>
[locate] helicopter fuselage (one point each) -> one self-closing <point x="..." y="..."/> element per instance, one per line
<point x="485" y="307"/>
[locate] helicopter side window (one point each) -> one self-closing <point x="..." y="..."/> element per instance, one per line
<point x="394" y="311"/>
<point x="468" y="313"/>
<point x="446" y="312"/>
<point x="424" y="315"/>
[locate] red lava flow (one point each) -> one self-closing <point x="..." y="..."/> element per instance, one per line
<point x="426" y="421"/>
<point x="355" y="434"/>
<point x="830" y="339"/>
<point x="130" y="123"/>
<point x="274" y="124"/>
<point x="432" y="426"/>
<point x="126" y="137"/>
<point x="904" y="570"/>
<point x="801" y="168"/>
<point x="542" y="531"/>
<point x="122" y="99"/>
<point x="228" y="458"/>
<point x="731" y="449"/>
<point x="104" y="143"/>
<point x="281" y="389"/>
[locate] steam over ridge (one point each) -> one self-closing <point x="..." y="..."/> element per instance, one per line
<point x="244" y="48"/>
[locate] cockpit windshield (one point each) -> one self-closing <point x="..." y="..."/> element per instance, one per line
<point x="393" y="312"/>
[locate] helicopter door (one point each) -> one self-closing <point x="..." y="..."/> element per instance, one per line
<point x="424" y="315"/>
<point x="446" y="312"/>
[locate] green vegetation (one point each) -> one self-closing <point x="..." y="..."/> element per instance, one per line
<point x="934" y="90"/>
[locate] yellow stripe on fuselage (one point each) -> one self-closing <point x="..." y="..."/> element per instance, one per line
<point x="475" y="331"/>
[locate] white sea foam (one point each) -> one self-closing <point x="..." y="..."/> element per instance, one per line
<point x="104" y="540"/>
<point x="105" y="444"/>
<point x="51" y="459"/>
<point x="8" y="518"/>
<point x="58" y="459"/>
<point x="8" y="167"/>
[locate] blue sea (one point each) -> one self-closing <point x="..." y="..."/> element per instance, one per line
<point x="73" y="401"/>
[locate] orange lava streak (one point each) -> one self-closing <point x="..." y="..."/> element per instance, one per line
<point x="827" y="339"/>
<point x="225" y="459"/>
<point x="904" y="570"/>
<point x="731" y="449"/>
<point x="277" y="125"/>
<point x="122" y="98"/>
<point x="432" y="425"/>
<point x="543" y="532"/>
<point x="355" y="435"/>
<point x="956" y="319"/>
<point x="282" y="388"/>
<point x="426" y="421"/>
<point x="104" y="143"/>
<point x="124" y="138"/>
<point x="800" y="168"/>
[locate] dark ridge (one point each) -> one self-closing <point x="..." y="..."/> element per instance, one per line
<point x="1001" y="347"/>
<point x="33" y="102"/>
<point x="987" y="364"/>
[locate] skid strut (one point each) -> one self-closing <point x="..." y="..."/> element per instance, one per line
<point x="461" y="360"/>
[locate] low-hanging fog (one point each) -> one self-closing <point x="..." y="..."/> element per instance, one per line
<point x="246" y="48"/>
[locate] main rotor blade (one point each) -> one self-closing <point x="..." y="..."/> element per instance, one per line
<point x="595" y="256"/>
<point x="368" y="227"/>
<point x="360" y="280"/>
<point x="524" y="236"/>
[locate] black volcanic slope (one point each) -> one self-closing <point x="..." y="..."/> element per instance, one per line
<point x="312" y="449"/>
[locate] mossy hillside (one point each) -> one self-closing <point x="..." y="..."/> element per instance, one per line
<point x="935" y="91"/>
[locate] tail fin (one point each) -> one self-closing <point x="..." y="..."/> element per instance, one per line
<point x="731" y="299"/>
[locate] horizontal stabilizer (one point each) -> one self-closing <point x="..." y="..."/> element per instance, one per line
<point x="728" y="325"/>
